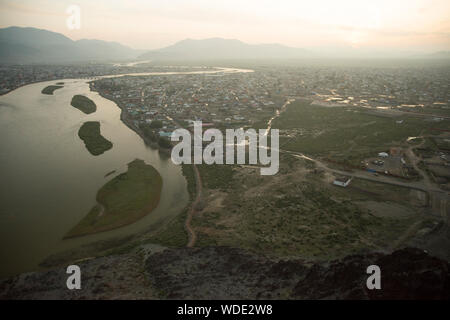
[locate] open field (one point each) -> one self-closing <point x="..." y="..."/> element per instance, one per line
<point x="92" y="138"/>
<point x="298" y="213"/>
<point x="216" y="176"/>
<point x="123" y="200"/>
<point x="172" y="234"/>
<point x="50" y="89"/>
<point x="365" y="190"/>
<point x="83" y="104"/>
<point x="346" y="134"/>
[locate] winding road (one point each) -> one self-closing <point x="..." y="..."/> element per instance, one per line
<point x="192" y="237"/>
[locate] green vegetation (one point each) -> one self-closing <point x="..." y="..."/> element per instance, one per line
<point x="123" y="200"/>
<point x="84" y="104"/>
<point x="415" y="141"/>
<point x="92" y="138"/>
<point x="311" y="223"/>
<point x="298" y="213"/>
<point x="164" y="143"/>
<point x="156" y="124"/>
<point x="149" y="133"/>
<point x="365" y="190"/>
<point x="188" y="173"/>
<point x="216" y="176"/>
<point x="442" y="143"/>
<point x="344" y="133"/>
<point x="173" y="234"/>
<point x="428" y="149"/>
<point x="50" y="89"/>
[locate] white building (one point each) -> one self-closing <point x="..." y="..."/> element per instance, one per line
<point x="342" y="181"/>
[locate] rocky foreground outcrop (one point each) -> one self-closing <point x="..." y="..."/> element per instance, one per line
<point x="218" y="272"/>
<point x="230" y="273"/>
<point x="113" y="277"/>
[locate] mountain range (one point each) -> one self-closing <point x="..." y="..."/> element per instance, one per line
<point x="218" y="49"/>
<point x="30" y="45"/>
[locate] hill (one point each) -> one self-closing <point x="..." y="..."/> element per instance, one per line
<point x="30" y="45"/>
<point x="218" y="49"/>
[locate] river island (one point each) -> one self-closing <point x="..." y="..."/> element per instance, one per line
<point x="123" y="200"/>
<point x="50" y="89"/>
<point x="95" y="143"/>
<point x="83" y="104"/>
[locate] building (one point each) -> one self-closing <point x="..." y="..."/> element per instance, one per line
<point x="342" y="181"/>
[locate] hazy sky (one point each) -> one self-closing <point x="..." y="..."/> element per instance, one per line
<point x="146" y="24"/>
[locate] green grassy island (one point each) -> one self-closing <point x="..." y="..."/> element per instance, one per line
<point x="125" y="199"/>
<point x="50" y="89"/>
<point x="92" y="138"/>
<point x="83" y="104"/>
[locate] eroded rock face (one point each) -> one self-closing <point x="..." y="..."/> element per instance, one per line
<point x="230" y="273"/>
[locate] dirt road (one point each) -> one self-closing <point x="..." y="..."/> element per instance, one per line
<point x="437" y="198"/>
<point x="192" y="237"/>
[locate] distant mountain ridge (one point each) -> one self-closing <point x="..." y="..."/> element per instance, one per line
<point x="31" y="45"/>
<point x="20" y="45"/>
<point x="218" y="48"/>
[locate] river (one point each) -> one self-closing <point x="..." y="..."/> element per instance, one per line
<point x="49" y="180"/>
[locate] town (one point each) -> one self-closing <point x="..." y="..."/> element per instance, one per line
<point x="157" y="105"/>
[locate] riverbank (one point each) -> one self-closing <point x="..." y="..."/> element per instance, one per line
<point x="129" y="122"/>
<point x="76" y="177"/>
<point x="123" y="200"/>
